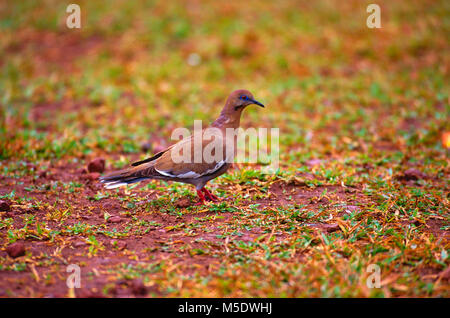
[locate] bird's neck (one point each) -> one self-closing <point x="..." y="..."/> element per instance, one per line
<point x="229" y="117"/>
<point x="226" y="120"/>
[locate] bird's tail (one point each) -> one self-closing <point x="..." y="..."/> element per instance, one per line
<point x="123" y="177"/>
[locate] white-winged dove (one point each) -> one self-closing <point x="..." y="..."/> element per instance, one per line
<point x="166" y="164"/>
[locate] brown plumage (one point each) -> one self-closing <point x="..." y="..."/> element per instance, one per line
<point x="166" y="165"/>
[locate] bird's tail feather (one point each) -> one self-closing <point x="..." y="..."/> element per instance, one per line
<point x="122" y="178"/>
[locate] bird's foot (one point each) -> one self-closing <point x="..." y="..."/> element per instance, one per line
<point x="201" y="197"/>
<point x="205" y="195"/>
<point x="210" y="196"/>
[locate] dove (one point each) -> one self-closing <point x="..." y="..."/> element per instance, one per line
<point x="185" y="161"/>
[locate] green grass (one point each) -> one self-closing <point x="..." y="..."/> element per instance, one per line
<point x="368" y="103"/>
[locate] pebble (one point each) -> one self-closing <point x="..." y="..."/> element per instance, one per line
<point x="412" y="174"/>
<point x="146" y="146"/>
<point x="331" y="227"/>
<point x="79" y="244"/>
<point x="93" y="176"/>
<point x="183" y="203"/>
<point x="97" y="165"/>
<point x="5" y="206"/>
<point x="16" y="249"/>
<point x="138" y="287"/>
<point x="115" y="219"/>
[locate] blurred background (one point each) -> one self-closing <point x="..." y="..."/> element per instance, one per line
<point x="364" y="134"/>
<point x="137" y="69"/>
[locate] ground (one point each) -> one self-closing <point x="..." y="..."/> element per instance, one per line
<point x="363" y="177"/>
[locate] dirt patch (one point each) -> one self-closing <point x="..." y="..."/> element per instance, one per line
<point x="54" y="49"/>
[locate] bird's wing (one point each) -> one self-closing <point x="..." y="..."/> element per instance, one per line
<point x="188" y="160"/>
<point x="159" y="154"/>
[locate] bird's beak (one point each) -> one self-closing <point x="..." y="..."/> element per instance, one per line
<point x="256" y="102"/>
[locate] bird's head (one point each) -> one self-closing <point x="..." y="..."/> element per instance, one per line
<point x="231" y="112"/>
<point x="241" y="98"/>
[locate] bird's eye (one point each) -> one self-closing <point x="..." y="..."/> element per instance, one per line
<point x="243" y="97"/>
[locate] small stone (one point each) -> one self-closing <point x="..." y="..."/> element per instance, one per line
<point x="5" y="206"/>
<point x="93" y="176"/>
<point x="146" y="146"/>
<point x="16" y="249"/>
<point x="97" y="165"/>
<point x="331" y="227"/>
<point x="115" y="219"/>
<point x="79" y="244"/>
<point x="183" y="203"/>
<point x="412" y="175"/>
<point x="43" y="174"/>
<point x="138" y="287"/>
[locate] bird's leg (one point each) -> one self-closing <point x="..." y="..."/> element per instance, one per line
<point x="201" y="197"/>
<point x="209" y="195"/>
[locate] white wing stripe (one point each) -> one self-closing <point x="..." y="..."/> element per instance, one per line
<point x="192" y="174"/>
<point x="165" y="173"/>
<point x="217" y="167"/>
<point x="113" y="185"/>
<point x="189" y="174"/>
